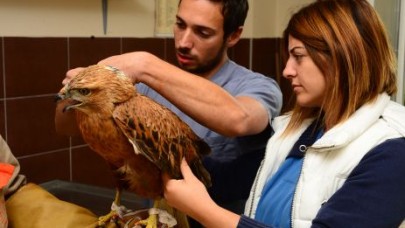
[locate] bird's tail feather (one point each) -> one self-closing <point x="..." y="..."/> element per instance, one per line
<point x="199" y="171"/>
<point x="203" y="148"/>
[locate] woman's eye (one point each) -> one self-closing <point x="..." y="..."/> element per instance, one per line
<point x="298" y="57"/>
<point x="84" y="91"/>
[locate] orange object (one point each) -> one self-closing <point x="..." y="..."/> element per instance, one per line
<point x="6" y="171"/>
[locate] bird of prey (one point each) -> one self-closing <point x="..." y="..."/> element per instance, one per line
<point x="138" y="137"/>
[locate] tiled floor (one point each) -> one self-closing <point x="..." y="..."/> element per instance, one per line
<point x="96" y="199"/>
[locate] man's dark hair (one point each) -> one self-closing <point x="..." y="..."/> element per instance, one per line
<point x="234" y="12"/>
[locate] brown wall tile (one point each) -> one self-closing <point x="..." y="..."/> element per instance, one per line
<point x="31" y="127"/>
<point x="265" y="56"/>
<point x="267" y="60"/>
<point x="88" y="51"/>
<point x="89" y="168"/>
<point x="39" y="169"/>
<point x="170" y="51"/>
<point x="2" y="120"/>
<point x="1" y="70"/>
<point x="34" y="66"/>
<point x="285" y="85"/>
<point x="240" y="52"/>
<point x="155" y="46"/>
<point x="77" y="140"/>
<point x="288" y="95"/>
<point x="161" y="47"/>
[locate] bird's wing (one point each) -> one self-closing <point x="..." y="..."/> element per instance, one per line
<point x="158" y="134"/>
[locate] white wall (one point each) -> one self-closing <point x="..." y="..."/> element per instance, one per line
<point x="392" y="14"/>
<point x="400" y="97"/>
<point x="75" y="18"/>
<point x="126" y="18"/>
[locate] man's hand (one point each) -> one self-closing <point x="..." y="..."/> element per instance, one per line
<point x="132" y="63"/>
<point x="71" y="74"/>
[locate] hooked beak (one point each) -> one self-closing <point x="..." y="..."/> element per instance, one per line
<point x="59" y="97"/>
<point x="67" y="101"/>
<point x="71" y="104"/>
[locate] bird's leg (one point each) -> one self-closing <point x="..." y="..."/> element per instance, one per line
<point x="114" y="213"/>
<point x="157" y="214"/>
<point x="151" y="221"/>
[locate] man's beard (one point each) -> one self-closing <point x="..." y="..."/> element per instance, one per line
<point x="207" y="67"/>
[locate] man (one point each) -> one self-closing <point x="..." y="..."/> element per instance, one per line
<point x="227" y="105"/>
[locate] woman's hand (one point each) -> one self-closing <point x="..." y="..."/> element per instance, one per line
<point x="190" y="196"/>
<point x="185" y="194"/>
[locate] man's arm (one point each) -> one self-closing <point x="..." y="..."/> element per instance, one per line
<point x="202" y="100"/>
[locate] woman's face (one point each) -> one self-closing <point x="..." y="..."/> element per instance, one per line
<point x="306" y="79"/>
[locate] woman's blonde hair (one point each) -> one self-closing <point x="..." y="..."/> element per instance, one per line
<point x="348" y="42"/>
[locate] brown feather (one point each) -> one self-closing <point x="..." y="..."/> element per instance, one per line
<point x="138" y="137"/>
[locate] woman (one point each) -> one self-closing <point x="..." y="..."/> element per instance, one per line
<point x="338" y="158"/>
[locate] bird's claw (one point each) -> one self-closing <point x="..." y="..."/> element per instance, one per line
<point x="111" y="217"/>
<point x="116" y="214"/>
<point x="157" y="216"/>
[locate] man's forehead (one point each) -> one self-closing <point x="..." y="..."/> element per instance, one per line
<point x="203" y="13"/>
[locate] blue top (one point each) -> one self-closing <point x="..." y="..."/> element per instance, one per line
<point x="233" y="162"/>
<point x="276" y="202"/>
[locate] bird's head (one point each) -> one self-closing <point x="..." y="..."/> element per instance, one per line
<point x="97" y="87"/>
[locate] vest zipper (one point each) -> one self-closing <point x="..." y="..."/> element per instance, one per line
<point x="295" y="192"/>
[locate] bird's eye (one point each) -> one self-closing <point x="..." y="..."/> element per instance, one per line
<point x="84" y="92"/>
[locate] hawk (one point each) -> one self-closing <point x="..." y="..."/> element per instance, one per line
<point x="138" y="137"/>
